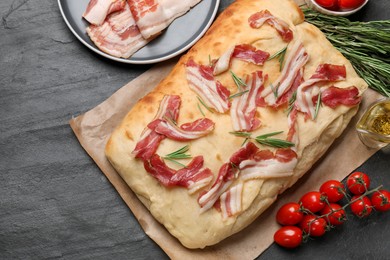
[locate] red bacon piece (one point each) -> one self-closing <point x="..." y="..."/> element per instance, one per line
<point x="295" y="59"/>
<point x="153" y="16"/>
<point x="118" y="35"/>
<point x="98" y="10"/>
<point x="265" y="164"/>
<point x="258" y="19"/>
<point x="230" y="201"/>
<point x="227" y="173"/>
<point x="245" y="52"/>
<point x="192" y="177"/>
<point x="201" y="80"/>
<point x="249" y="53"/>
<point x="333" y="96"/>
<point x="159" y="170"/>
<point x="243" y="109"/>
<point x="309" y="89"/>
<point x="186" y="132"/>
<point x="150" y="140"/>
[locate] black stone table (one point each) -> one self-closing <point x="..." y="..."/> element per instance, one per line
<point x="54" y="201"/>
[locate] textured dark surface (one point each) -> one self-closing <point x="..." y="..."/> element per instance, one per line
<point x="54" y="201"/>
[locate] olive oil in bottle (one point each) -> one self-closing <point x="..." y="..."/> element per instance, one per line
<point x="374" y="126"/>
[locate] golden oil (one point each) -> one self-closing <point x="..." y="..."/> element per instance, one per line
<point x="374" y="126"/>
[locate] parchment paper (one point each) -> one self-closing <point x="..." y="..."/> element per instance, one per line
<point x="95" y="126"/>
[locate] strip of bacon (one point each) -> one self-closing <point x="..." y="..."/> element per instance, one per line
<point x="281" y="165"/>
<point x="295" y="60"/>
<point x="201" y="80"/>
<point x="334" y="96"/>
<point x="118" y="35"/>
<point x="153" y="16"/>
<point x="292" y="135"/>
<point x="193" y="177"/>
<point x="243" y="109"/>
<point x="258" y="19"/>
<point x="186" y="132"/>
<point x="230" y="201"/>
<point x="98" y="10"/>
<point x="150" y="140"/>
<point x="245" y="52"/>
<point x="227" y="173"/>
<point x="159" y="170"/>
<point x="309" y="89"/>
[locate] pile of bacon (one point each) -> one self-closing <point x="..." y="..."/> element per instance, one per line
<point x="249" y="162"/>
<point x="120" y="27"/>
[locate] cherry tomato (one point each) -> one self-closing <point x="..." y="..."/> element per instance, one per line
<point x="329" y="4"/>
<point x="289" y="214"/>
<point x="361" y="207"/>
<point x="381" y="200"/>
<point x="336" y="215"/>
<point x="358" y="183"/>
<point x="288" y="236"/>
<point x="313" y="225"/>
<point x="312" y="201"/>
<point x="334" y="190"/>
<point x="350" y="4"/>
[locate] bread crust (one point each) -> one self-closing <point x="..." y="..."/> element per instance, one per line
<point x="175" y="208"/>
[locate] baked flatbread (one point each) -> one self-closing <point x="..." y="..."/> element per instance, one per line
<point x="235" y="181"/>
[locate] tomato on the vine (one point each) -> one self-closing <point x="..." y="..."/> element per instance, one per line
<point x="334" y="190"/>
<point x="381" y="200"/>
<point x="312" y="201"/>
<point x="336" y="213"/>
<point x="289" y="214"/>
<point x="350" y="4"/>
<point x="313" y="225"/>
<point x="358" y="183"/>
<point x="288" y="236"/>
<point x="361" y="207"/>
<point x="330" y="4"/>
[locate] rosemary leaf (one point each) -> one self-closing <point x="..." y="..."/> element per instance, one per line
<point x="319" y="103"/>
<point x="201" y="111"/>
<point x="238" y="94"/>
<point x="277" y="54"/>
<point x="241" y="134"/>
<point x="179" y="154"/>
<point x="264" y="136"/>
<point x="238" y="81"/>
<point x="291" y="102"/>
<point x="204" y="104"/>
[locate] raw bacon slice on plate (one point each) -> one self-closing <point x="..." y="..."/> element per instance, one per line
<point x="118" y="36"/>
<point x="97" y="10"/>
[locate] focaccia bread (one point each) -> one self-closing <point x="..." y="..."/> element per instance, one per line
<point x="301" y="102"/>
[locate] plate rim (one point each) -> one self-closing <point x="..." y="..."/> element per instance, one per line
<point x="148" y="61"/>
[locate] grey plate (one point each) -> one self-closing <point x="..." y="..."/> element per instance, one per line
<point x="182" y="33"/>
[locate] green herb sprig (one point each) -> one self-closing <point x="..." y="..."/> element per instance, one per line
<point x="365" y="44"/>
<point x="265" y="139"/>
<point x="178" y="155"/>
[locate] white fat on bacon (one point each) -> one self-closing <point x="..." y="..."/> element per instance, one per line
<point x="201" y="80"/>
<point x="153" y="16"/>
<point x="150" y="140"/>
<point x="295" y="59"/>
<point x="97" y="10"/>
<point x="259" y="18"/>
<point x="309" y="88"/>
<point x="243" y="109"/>
<point x="265" y="169"/>
<point x="189" y="131"/>
<point x="231" y="201"/>
<point x="118" y="35"/>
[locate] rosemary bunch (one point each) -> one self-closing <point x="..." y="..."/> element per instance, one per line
<point x="365" y="44"/>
